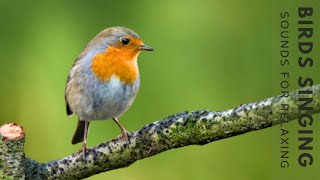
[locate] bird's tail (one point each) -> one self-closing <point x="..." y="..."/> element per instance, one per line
<point x="78" y="135"/>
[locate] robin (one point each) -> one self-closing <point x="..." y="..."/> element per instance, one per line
<point x="104" y="80"/>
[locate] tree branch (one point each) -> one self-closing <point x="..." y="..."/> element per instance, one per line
<point x="11" y="152"/>
<point x="178" y="130"/>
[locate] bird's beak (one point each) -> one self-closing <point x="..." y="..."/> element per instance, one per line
<point x="145" y="48"/>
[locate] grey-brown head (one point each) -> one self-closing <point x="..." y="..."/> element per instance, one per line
<point x="118" y="37"/>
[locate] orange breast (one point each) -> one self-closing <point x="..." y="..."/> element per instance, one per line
<point x="121" y="62"/>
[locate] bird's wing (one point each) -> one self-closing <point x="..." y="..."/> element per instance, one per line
<point x="68" y="110"/>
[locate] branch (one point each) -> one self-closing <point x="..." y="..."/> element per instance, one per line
<point x="11" y="152"/>
<point x="178" y="130"/>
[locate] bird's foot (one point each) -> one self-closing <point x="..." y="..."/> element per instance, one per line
<point x="125" y="134"/>
<point x="84" y="149"/>
<point x="82" y="152"/>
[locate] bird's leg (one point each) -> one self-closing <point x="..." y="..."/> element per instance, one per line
<point x="85" y="135"/>
<point x="123" y="130"/>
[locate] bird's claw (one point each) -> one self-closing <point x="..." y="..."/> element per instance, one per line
<point x="125" y="135"/>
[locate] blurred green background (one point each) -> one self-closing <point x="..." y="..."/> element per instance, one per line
<point x="208" y="55"/>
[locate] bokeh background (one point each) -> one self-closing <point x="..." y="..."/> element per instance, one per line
<point x="209" y="54"/>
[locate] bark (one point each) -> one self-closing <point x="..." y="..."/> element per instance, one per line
<point x="12" y="152"/>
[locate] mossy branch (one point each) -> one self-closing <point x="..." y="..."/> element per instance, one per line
<point x="178" y="130"/>
<point x="12" y="152"/>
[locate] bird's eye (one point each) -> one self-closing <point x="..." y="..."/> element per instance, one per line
<point x="125" y="41"/>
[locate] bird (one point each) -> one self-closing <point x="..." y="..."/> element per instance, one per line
<point x="104" y="80"/>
